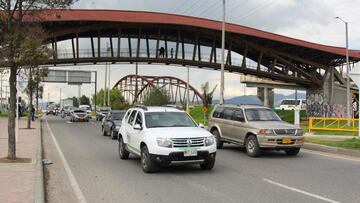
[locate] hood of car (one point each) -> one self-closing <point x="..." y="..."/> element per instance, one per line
<point x="117" y="122"/>
<point x="271" y="125"/>
<point x="80" y="114"/>
<point x="178" y="132"/>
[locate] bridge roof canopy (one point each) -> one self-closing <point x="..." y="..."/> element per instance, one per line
<point x="270" y="40"/>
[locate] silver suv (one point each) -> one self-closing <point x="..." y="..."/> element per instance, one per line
<point x="255" y="127"/>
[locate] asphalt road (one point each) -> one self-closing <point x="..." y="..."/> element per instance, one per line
<point x="274" y="177"/>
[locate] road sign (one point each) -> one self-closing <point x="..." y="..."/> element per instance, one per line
<point x="79" y="77"/>
<point x="204" y="109"/>
<point x="56" y="76"/>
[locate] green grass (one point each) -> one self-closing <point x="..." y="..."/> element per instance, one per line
<point x="288" y="115"/>
<point x="3" y="114"/>
<point x="198" y="114"/>
<point x="347" y="144"/>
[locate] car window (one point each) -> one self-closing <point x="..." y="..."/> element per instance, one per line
<point x="228" y="114"/>
<point x="132" y="117"/>
<point x="127" y="114"/>
<point x="138" y="119"/>
<point x="218" y="113"/>
<point x="168" y="119"/>
<point x="238" y="116"/>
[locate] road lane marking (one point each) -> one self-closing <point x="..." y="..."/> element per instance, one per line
<point x="344" y="157"/>
<point x="71" y="176"/>
<point x="300" y="191"/>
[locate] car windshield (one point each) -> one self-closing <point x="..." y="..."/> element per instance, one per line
<point x="168" y="119"/>
<point x="79" y="111"/>
<point x="105" y="109"/>
<point x="260" y="114"/>
<point x="118" y="115"/>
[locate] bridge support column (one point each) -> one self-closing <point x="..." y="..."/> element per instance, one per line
<point x="266" y="95"/>
<point x="327" y="101"/>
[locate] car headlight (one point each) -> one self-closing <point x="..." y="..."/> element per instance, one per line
<point x="209" y="141"/>
<point x="299" y="132"/>
<point x="117" y="127"/>
<point x="266" y="132"/>
<point x="164" y="142"/>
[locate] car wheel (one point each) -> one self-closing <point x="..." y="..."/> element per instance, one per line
<point x="112" y="135"/>
<point x="292" y="152"/>
<point x="208" y="164"/>
<point x="123" y="153"/>
<point x="219" y="143"/>
<point x="252" y="146"/>
<point x="147" y="164"/>
<point x="104" y="132"/>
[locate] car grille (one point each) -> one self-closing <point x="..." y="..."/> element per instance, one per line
<point x="188" y="142"/>
<point x="285" y="131"/>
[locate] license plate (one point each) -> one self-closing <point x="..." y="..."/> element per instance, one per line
<point x="190" y="153"/>
<point x="286" y="141"/>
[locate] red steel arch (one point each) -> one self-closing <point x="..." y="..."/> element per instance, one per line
<point x="175" y="87"/>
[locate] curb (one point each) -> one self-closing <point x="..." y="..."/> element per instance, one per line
<point x="332" y="150"/>
<point x="39" y="196"/>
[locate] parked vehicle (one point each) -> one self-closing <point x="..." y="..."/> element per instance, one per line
<point x="102" y="112"/>
<point x="164" y="136"/>
<point x="112" y="123"/>
<point x="79" y="115"/>
<point x="255" y="127"/>
<point x="291" y="104"/>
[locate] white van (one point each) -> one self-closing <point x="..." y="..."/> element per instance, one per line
<point x="291" y="104"/>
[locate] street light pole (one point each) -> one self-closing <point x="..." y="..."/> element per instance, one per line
<point x="348" y="96"/>
<point x="187" y="89"/>
<point x="222" y="56"/>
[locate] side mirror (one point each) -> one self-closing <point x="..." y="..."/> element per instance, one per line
<point x="201" y="125"/>
<point x="137" y="127"/>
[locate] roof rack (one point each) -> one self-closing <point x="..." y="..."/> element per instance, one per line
<point x="142" y="107"/>
<point x="173" y="106"/>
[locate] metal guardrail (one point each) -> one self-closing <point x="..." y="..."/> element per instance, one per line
<point x="334" y="124"/>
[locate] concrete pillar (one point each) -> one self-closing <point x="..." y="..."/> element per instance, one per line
<point x="266" y="95"/>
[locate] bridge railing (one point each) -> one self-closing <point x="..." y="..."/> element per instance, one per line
<point x="88" y="53"/>
<point x="334" y="124"/>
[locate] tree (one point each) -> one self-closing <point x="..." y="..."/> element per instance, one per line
<point x="84" y="100"/>
<point x="157" y="97"/>
<point x="75" y="101"/>
<point x="207" y="95"/>
<point x="13" y="32"/>
<point x="117" y="100"/>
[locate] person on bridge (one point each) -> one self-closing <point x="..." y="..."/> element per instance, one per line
<point x="171" y="52"/>
<point x="162" y="52"/>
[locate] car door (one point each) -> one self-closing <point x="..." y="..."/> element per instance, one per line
<point x="226" y="123"/>
<point x="137" y="133"/>
<point x="130" y="132"/>
<point x="238" y="128"/>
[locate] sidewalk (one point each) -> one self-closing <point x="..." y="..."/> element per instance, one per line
<point x="18" y="179"/>
<point x="329" y="137"/>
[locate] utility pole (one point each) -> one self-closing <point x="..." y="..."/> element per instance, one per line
<point x="187" y="89"/>
<point x="60" y="98"/>
<point x="348" y="96"/>
<point x="136" y="82"/>
<point x="222" y="88"/>
<point x="1" y="91"/>
<point x="105" y="84"/>
<point x="108" y="96"/>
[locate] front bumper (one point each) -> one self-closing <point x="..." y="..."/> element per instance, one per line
<point x="278" y="142"/>
<point x="178" y="158"/>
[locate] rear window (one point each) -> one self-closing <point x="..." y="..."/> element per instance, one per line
<point x="218" y="113"/>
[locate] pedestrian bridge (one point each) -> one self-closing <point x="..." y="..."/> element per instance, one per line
<point x="99" y="36"/>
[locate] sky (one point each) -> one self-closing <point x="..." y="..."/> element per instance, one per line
<point x="310" y="20"/>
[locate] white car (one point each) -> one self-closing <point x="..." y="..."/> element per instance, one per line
<point x="164" y="136"/>
<point x="87" y="108"/>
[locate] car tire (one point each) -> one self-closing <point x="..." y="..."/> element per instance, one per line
<point x="292" y="152"/>
<point x="208" y="164"/>
<point x="147" y="164"/>
<point x="123" y="153"/>
<point x="112" y="135"/>
<point x="104" y="133"/>
<point x="219" y="143"/>
<point x="252" y="146"/>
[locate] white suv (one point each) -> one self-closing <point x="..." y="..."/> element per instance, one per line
<point x="164" y="136"/>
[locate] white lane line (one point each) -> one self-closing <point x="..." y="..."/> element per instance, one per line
<point x="300" y="191"/>
<point x="344" y="157"/>
<point x="71" y="176"/>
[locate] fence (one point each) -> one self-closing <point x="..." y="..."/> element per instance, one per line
<point x="334" y="124"/>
